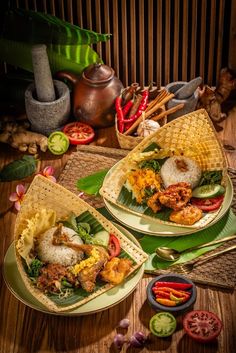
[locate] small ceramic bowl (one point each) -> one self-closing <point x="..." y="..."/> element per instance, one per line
<point x="179" y="308"/>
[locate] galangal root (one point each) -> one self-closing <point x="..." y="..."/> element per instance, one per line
<point x="17" y="136"/>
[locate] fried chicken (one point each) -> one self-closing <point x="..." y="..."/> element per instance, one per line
<point x="187" y="216"/>
<point x="154" y="203"/>
<point x="176" y="196"/>
<point x="116" y="270"/>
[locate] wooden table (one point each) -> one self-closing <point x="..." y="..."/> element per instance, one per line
<point x="24" y="330"/>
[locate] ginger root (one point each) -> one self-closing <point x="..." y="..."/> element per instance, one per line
<point x="18" y="137"/>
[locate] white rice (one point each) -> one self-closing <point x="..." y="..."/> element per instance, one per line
<point x="60" y="254"/>
<point x="170" y="174"/>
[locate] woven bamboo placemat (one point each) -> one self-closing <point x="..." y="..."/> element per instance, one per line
<point x="87" y="160"/>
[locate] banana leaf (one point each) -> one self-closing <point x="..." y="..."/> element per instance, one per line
<point x="73" y="58"/>
<point x="223" y="228"/>
<point x="40" y="28"/>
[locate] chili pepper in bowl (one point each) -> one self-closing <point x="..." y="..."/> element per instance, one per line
<point x="162" y="296"/>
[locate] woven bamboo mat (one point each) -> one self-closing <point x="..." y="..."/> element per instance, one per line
<point x="86" y="160"/>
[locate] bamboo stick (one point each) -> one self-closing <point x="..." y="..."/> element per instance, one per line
<point x="151" y="111"/>
<point x="168" y="112"/>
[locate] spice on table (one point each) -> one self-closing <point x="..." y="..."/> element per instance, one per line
<point x="129" y="92"/>
<point x="135" y="106"/>
<point x="141" y="108"/>
<point x="119" y="113"/>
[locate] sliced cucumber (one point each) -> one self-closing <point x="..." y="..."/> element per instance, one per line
<point x="208" y="191"/>
<point x="162" y="324"/>
<point x="102" y="237"/>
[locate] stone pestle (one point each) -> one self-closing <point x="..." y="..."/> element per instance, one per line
<point x="42" y="74"/>
<point x="188" y="88"/>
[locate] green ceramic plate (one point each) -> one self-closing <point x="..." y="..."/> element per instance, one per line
<point x="150" y="227"/>
<point x="104" y="301"/>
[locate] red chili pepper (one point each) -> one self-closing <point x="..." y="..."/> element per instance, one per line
<point x="127" y="108"/>
<point x="177" y="293"/>
<point x="166" y="302"/>
<point x="119" y="114"/>
<point x="141" y="108"/>
<point x="161" y="294"/>
<point x="175" y="285"/>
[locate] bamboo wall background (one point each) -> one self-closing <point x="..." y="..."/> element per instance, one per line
<point x="153" y="40"/>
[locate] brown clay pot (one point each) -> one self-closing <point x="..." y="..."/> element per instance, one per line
<point x="94" y="94"/>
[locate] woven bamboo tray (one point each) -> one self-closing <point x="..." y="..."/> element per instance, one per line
<point x="43" y="193"/>
<point x="128" y="142"/>
<point x="191" y="135"/>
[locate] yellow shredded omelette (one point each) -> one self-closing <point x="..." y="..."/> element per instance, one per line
<point x="141" y="179"/>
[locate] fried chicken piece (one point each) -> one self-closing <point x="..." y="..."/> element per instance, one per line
<point x="88" y="275"/>
<point x="176" y="196"/>
<point x="187" y="216"/>
<point x="154" y="203"/>
<point x="116" y="270"/>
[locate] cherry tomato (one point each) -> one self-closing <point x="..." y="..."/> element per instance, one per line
<point x="114" y="246"/>
<point x="202" y="326"/>
<point x="208" y="205"/>
<point x="79" y="133"/>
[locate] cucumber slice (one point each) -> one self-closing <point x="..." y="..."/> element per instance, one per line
<point x="162" y="324"/>
<point x="102" y="237"/>
<point x="208" y="191"/>
<point x="58" y="143"/>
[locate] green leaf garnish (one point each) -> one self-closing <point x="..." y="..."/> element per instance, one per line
<point x="92" y="183"/>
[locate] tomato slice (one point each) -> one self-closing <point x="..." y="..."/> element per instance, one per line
<point x="114" y="246"/>
<point x="208" y="205"/>
<point x="58" y="142"/>
<point x="162" y="324"/>
<point x="202" y="326"/>
<point x="79" y="133"/>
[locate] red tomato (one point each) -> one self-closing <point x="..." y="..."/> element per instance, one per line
<point x="114" y="246"/>
<point x="208" y="205"/>
<point x="79" y="133"/>
<point x="202" y="326"/>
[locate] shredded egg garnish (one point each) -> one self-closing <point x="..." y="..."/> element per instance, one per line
<point x="90" y="261"/>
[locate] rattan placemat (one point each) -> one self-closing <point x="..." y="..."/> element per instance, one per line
<point x="86" y="160"/>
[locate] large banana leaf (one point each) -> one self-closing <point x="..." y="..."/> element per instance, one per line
<point x="223" y="228"/>
<point x="40" y="28"/>
<point x="73" y="58"/>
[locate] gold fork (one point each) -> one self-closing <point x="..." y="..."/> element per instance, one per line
<point x="188" y="267"/>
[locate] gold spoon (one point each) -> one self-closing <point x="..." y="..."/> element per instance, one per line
<point x="169" y="254"/>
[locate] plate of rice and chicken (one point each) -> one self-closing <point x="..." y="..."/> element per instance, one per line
<point x="67" y="254"/>
<point x="174" y="182"/>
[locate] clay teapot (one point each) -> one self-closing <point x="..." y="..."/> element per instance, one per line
<point x="94" y="94"/>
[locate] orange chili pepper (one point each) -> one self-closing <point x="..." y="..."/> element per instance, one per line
<point x="166" y="302"/>
<point x="179" y="300"/>
<point x="161" y="294"/>
<point x="177" y="293"/>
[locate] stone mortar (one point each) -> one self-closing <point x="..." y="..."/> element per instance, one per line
<point x="46" y="117"/>
<point x="189" y="103"/>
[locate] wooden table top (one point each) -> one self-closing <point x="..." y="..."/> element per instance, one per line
<point x="24" y="330"/>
